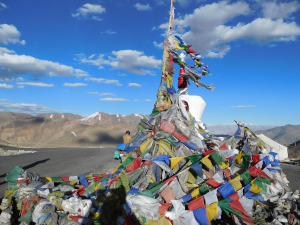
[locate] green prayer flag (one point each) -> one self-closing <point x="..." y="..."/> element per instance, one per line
<point x="27" y="217"/>
<point x="12" y="176"/>
<point x="146" y="193"/>
<point x="224" y="205"/>
<point x="204" y="189"/>
<point x="153" y="187"/>
<point x="127" y="161"/>
<point x="57" y="179"/>
<point x="261" y="185"/>
<point x="217" y="158"/>
<point x="246" y="177"/>
<point x="125" y="181"/>
<point x="245" y="160"/>
<point x="264" y="180"/>
<point x="194" y="158"/>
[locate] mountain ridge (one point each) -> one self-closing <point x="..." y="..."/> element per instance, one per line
<point x="101" y="129"/>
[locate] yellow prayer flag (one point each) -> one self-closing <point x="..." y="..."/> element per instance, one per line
<point x="73" y="182"/>
<point x="47" y="179"/>
<point x="177" y="45"/>
<point x="195" y="193"/>
<point x="164" y="146"/>
<point x="162" y="220"/>
<point x="224" y="165"/>
<point x="144" y="146"/>
<point x="212" y="211"/>
<point x="191" y="181"/>
<point x="255" y="188"/>
<point x="239" y="158"/>
<point x="236" y="183"/>
<point x="9" y="194"/>
<point x="206" y="161"/>
<point x="175" y="161"/>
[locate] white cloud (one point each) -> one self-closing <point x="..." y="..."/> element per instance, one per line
<point x="142" y="7"/>
<point x="134" y="85"/>
<point x="96" y="18"/>
<point x="93" y="93"/>
<point x="243" y="106"/>
<point x="10" y="34"/>
<point x="208" y="31"/>
<point x="15" y="65"/>
<point x="135" y="100"/>
<point x="109" y="31"/>
<point x="107" y="94"/>
<point x="273" y="10"/>
<point x="103" y="81"/>
<point x="36" y="84"/>
<point x="6" y="86"/>
<point x="219" y="52"/>
<point x="2" y="6"/>
<point x="89" y="9"/>
<point x="74" y="84"/>
<point x="130" y="60"/>
<point x="24" y="108"/>
<point x="148" y="100"/>
<point x="3" y="99"/>
<point x="134" y="61"/>
<point x="158" y="45"/>
<point x="114" y="99"/>
<point x="184" y="3"/>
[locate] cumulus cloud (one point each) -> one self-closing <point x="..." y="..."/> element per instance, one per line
<point x="6" y="86"/>
<point x="13" y="65"/>
<point x="74" y="84"/>
<point x="107" y="94"/>
<point x="142" y="7"/>
<point x="134" y="85"/>
<point x="134" y="61"/>
<point x="24" y="108"/>
<point x="274" y="10"/>
<point x="89" y="11"/>
<point x="208" y="30"/>
<point x="36" y="84"/>
<point x="130" y="60"/>
<point x="114" y="99"/>
<point x="243" y="106"/>
<point x="10" y="34"/>
<point x="103" y="81"/>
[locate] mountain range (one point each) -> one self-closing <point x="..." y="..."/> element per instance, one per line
<point x="100" y="129"/>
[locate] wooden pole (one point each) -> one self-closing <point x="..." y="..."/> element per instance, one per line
<point x="165" y="54"/>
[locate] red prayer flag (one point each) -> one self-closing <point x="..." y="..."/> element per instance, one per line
<point x="255" y="158"/>
<point x="134" y="165"/>
<point x="223" y="147"/>
<point x="196" y="204"/>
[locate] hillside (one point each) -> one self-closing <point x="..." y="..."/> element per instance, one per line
<point x="61" y="130"/>
<point x="294" y="150"/>
<point x="284" y="135"/>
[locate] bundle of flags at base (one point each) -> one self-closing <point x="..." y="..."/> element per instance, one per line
<point x="175" y="172"/>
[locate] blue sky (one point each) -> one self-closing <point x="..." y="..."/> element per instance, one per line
<point x="82" y="57"/>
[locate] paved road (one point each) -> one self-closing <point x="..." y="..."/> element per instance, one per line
<point x="293" y="175"/>
<point x="59" y="162"/>
<point x="79" y="161"/>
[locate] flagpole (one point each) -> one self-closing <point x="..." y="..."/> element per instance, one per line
<point x="165" y="54"/>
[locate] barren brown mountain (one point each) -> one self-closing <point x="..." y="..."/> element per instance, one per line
<point x="65" y="130"/>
